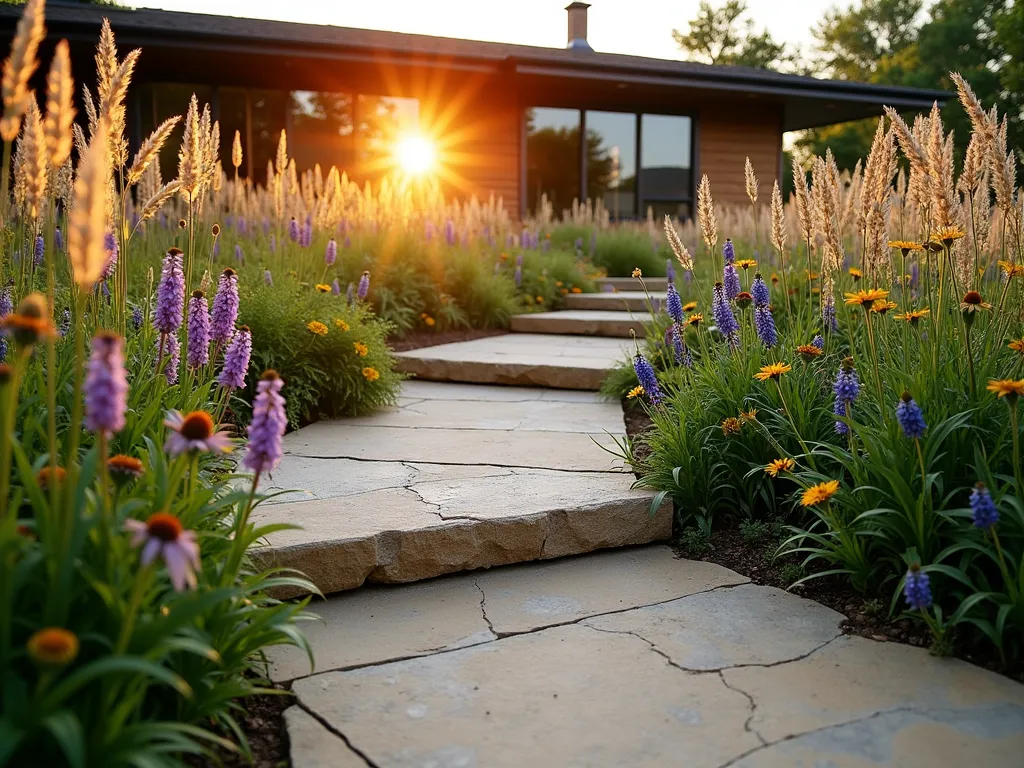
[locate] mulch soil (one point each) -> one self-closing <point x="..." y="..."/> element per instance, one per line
<point x="427" y="338"/>
<point x="865" y="617"/>
<point x="264" y="727"/>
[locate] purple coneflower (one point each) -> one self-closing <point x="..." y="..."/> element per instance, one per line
<point x="198" y="352"/>
<point x="331" y="252"/>
<point x="268" y="424"/>
<point x="106" y="385"/>
<point x="225" y="306"/>
<point x="195" y="432"/>
<point x="731" y="279"/>
<point x="293" y="230"/>
<point x="765" y="325"/>
<point x="335" y="287"/>
<point x="910" y="418"/>
<point x="163" y="536"/>
<point x="39" y="251"/>
<point x="729" y="251"/>
<point x="674" y="304"/>
<point x="760" y="291"/>
<point x="168" y="356"/>
<point x="983" y="508"/>
<point x="236" y="360"/>
<point x="364" y="286"/>
<point x="647" y="378"/>
<point x="917" y="589"/>
<point x="722" y="312"/>
<point x="170" y="294"/>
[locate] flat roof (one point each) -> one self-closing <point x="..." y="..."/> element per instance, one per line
<point x="808" y="101"/>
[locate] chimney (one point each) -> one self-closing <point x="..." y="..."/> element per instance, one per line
<point x="578" y="27"/>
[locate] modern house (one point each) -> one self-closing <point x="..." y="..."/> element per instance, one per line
<point x="506" y="119"/>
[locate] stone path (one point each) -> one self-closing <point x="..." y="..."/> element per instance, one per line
<point x="627" y="658"/>
<point x="456" y="477"/>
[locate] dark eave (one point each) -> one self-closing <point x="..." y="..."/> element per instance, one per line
<point x="807" y="101"/>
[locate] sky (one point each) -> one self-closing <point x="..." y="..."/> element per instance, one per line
<point x="639" y="27"/>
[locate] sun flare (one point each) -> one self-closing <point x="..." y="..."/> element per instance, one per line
<point x="415" y="154"/>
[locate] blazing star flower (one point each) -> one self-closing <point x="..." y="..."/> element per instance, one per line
<point x="518" y="277"/>
<point x="731" y="279"/>
<point x="293" y="230"/>
<point x="273" y="244"/>
<point x="350" y="294"/>
<point x="137" y="317"/>
<point x="819" y="494"/>
<point x="163" y="536"/>
<point x="775" y="466"/>
<point x="364" y="286"/>
<point x="331" y="252"/>
<point x="195" y="432"/>
<point x="910" y="418"/>
<point x="647" y="378"/>
<point x="765" y="325"/>
<point x="729" y="251"/>
<point x="236" y="360"/>
<point x="828" y="314"/>
<point x="267" y="426"/>
<point x="335" y="287"/>
<point x="38" y="251"/>
<point x="846" y="386"/>
<point x="106" y="385"/>
<point x="841" y="408"/>
<point x="239" y="253"/>
<point x="673" y="304"/>
<point x="198" y="352"/>
<point x="225" y="307"/>
<point x="760" y="291"/>
<point x="53" y="647"/>
<point x="983" y="508"/>
<point x="917" y="589"/>
<point x="674" y="338"/>
<point x="722" y="313"/>
<point x="170" y="350"/>
<point x="170" y="294"/>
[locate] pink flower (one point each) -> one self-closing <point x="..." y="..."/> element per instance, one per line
<point x="195" y="432"/>
<point x="163" y="536"/>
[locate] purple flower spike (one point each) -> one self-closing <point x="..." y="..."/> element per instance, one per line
<point x="307" y="234"/>
<point x="673" y="304"/>
<point x="239" y="253"/>
<point x="171" y="353"/>
<point x="331" y="252"/>
<point x="170" y="294"/>
<point x="106" y="385"/>
<point x="648" y="380"/>
<point x="518" y="277"/>
<point x="841" y="408"/>
<point x="364" y="286"/>
<point x="225" y="307"/>
<point x="268" y="425"/>
<point x="760" y="291"/>
<point x="819" y="342"/>
<point x="236" y="360"/>
<point x="273" y="244"/>
<point x="917" y="589"/>
<point x="983" y="508"/>
<point x="765" y="325"/>
<point x="729" y="251"/>
<point x="910" y="418"/>
<point x="113" y="251"/>
<point x="828" y="314"/>
<point x="293" y="230"/>
<point x="670" y="271"/>
<point x="348" y="242"/>
<point x="39" y="251"/>
<point x="335" y="287"/>
<point x="198" y="352"/>
<point x="722" y="313"/>
<point x="137" y="318"/>
<point x="731" y="279"/>
<point x="350" y="293"/>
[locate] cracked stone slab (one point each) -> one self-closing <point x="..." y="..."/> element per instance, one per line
<point x="527" y="597"/>
<point x="455" y="523"/>
<point x="748" y="624"/>
<point x="567" y="696"/>
<point x="582" y="322"/>
<point x="383" y="623"/>
<point x="853" y="678"/>
<point x="313" y="746"/>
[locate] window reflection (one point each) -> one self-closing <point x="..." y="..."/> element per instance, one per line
<point x="231" y="114"/>
<point x="268" y="120"/>
<point x="611" y="161"/>
<point x="666" y="177"/>
<point x="322" y="130"/>
<point x="552" y="157"/>
<point x="160" y="101"/>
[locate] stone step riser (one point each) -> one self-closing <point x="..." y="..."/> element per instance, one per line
<point x="632" y="284"/>
<point x="471" y="372"/>
<point x="613" y="301"/>
<point x="562" y="323"/>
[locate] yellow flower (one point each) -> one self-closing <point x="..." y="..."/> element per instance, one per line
<point x="731" y="426"/>
<point x="341" y="324"/>
<point x="361" y="349"/>
<point x="946" y="235"/>
<point x="559" y="283"/>
<point x="772" y="371"/>
<point x="883" y="306"/>
<point x="811" y="275"/>
<point x="370" y="374"/>
<point x="323" y="288"/>
<point x="429" y="321"/>
<point x="855" y="273"/>
<point x="1012" y="270"/>
<point x="913" y="316"/>
<point x="972" y="302"/>
<point x="53" y="647"/>
<point x="775" y="278"/>
<point x="689" y="306"/>
<point x="820" y="493"/>
<point x="866" y="298"/>
<point x="780" y="465"/>
<point x="746" y="264"/>
<point x="750" y="415"/>
<point x="316" y="327"/>
<point x="808" y="352"/>
<point x="635" y="392"/>
<point x="695" y="320"/>
<point x="906" y="246"/>
<point x="1006" y="388"/>
<point x="540" y="299"/>
<point x="577" y="289"/>
<point x="637" y="272"/>
<point x="1017" y="345"/>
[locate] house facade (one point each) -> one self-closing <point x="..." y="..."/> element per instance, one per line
<point x="518" y="122"/>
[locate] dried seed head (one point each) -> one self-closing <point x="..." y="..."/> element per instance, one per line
<point x="682" y="255"/>
<point x="60" y="110"/>
<point x="706" y="212"/>
<point x="778" y="234"/>
<point x="150" y="149"/>
<point x="87" y="223"/>
<point x="282" y="153"/>
<point x="19" y="66"/>
<point x="236" y="150"/>
<point x="750" y="180"/>
<point x="34" y="167"/>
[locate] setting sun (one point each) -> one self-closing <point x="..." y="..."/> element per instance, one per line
<point x="415" y="154"/>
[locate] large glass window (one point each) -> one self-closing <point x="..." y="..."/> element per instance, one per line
<point x="322" y="130"/>
<point x="552" y="157"/>
<point x="231" y="114"/>
<point x="666" y="175"/>
<point x="160" y="101"/>
<point x="267" y="110"/>
<point x="611" y="161"/>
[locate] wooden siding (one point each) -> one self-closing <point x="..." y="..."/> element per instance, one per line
<point x="728" y="135"/>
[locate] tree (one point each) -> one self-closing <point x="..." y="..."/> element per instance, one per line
<point x="722" y="36"/>
<point x="852" y="43"/>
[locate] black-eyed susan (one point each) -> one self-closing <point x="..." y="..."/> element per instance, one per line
<point x="906" y="246"/>
<point x="746" y="263"/>
<point x="695" y="319"/>
<point x="1011" y="270"/>
<point x="973" y="302"/>
<point x="689" y="306"/>
<point x="1008" y="388"/>
<point x="316" y="328"/>
<point x="731" y="426"/>
<point x="882" y="306"/>
<point x="865" y="298"/>
<point x="637" y="272"/>
<point x="635" y="392"/>
<point x="53" y="647"/>
<point x="777" y="466"/>
<point x="809" y="352"/>
<point x="913" y="316"/>
<point x="820" y="493"/>
<point x="323" y="288"/>
<point x="855" y="273"/>
<point x="946" y="235"/>
<point x="1017" y="345"/>
<point x="772" y="371"/>
<point x="743" y="299"/>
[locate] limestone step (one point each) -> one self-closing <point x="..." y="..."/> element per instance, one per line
<point x="519" y="359"/>
<point x="632" y="301"/>
<point x="631" y="283"/>
<point x="581" y="322"/>
<point x="456" y="477"/>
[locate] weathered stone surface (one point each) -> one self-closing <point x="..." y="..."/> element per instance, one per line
<point x="631" y="283"/>
<point x="582" y="323"/>
<point x="748" y="624"/>
<point x="519" y="359"/>
<point x="527" y="597"/>
<point x="384" y="623"/>
<point x="567" y="696"/>
<point x="853" y="679"/>
<point x="415" y="389"/>
<point x="633" y="301"/>
<point x="313" y="746"/>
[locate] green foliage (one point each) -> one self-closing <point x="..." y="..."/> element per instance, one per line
<point x="722" y="36"/>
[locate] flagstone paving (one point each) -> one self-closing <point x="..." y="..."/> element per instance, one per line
<point x="627" y="658"/>
<point x="632" y="301"/>
<point x="455" y="477"/>
<point x="583" y="322"/>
